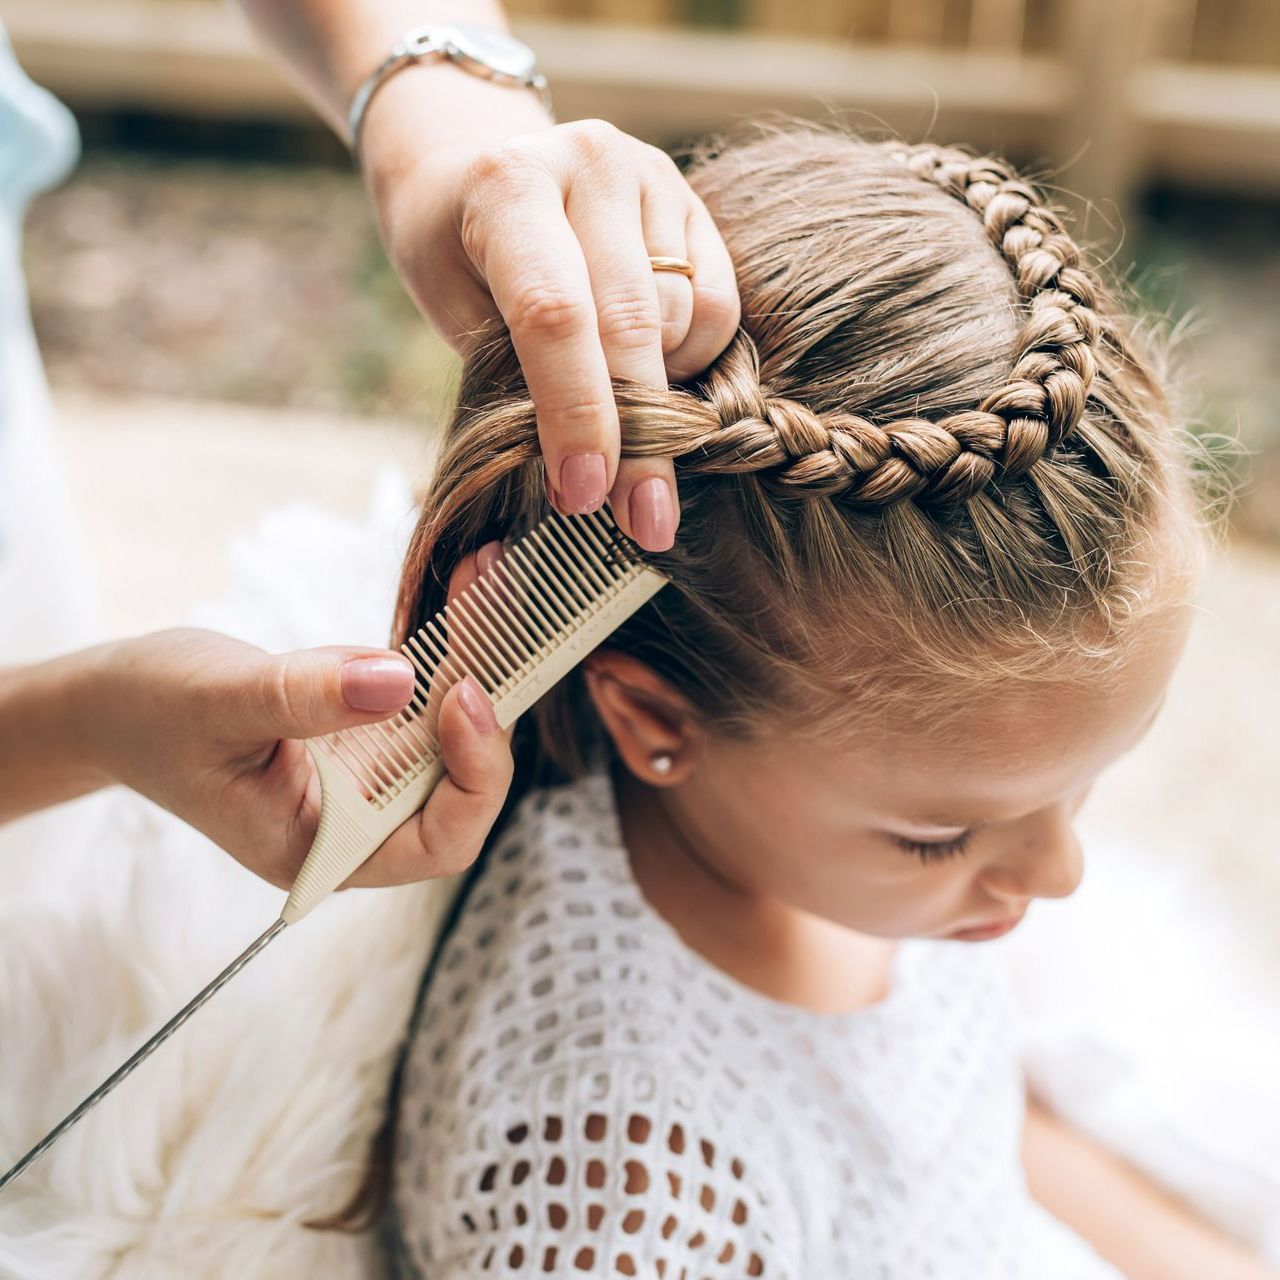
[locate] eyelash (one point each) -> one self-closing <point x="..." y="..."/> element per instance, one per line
<point x="938" y="851"/>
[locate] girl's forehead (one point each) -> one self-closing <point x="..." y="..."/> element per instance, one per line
<point x="1004" y="748"/>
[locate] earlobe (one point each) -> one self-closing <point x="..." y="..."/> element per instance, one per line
<point x="650" y="724"/>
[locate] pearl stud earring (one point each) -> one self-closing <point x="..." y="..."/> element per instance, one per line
<point x="661" y="762"/>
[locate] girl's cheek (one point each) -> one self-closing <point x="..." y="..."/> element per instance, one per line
<point x="941" y="894"/>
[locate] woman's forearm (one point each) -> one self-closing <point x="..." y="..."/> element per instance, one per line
<point x="1144" y="1233"/>
<point x="330" y="46"/>
<point x="43" y="760"/>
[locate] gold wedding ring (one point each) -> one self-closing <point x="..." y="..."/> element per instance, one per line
<point x="681" y="266"/>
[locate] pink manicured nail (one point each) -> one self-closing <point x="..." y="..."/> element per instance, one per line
<point x="653" y="515"/>
<point x="381" y="682"/>
<point x="478" y="708"/>
<point x="582" y="482"/>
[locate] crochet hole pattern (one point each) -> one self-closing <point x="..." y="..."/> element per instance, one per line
<point x="695" y="1214"/>
<point x="593" y="1188"/>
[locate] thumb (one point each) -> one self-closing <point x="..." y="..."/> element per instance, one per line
<point x="315" y="691"/>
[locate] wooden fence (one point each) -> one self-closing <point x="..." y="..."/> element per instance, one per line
<point x="1113" y="94"/>
<point x="1238" y="32"/>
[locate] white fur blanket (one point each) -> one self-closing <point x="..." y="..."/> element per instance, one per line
<point x="113" y="914"/>
<point x="207" y="1162"/>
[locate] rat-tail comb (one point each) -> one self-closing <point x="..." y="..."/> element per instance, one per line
<point x="554" y="596"/>
<point x="556" y="593"/>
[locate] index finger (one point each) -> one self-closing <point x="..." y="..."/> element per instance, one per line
<point x="534" y="267"/>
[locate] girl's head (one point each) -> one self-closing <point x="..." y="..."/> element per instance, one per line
<point x="936" y="533"/>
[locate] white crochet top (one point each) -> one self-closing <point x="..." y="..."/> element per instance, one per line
<point x="584" y="1094"/>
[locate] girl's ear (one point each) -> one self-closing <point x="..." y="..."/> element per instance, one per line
<point x="654" y="728"/>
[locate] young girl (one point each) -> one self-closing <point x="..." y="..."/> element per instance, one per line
<point x="709" y="1004"/>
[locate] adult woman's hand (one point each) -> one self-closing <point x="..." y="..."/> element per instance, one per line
<point x="487" y="209"/>
<point x="553" y="230"/>
<point x="211" y="728"/>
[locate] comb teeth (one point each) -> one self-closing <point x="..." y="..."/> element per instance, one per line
<point x="539" y="598"/>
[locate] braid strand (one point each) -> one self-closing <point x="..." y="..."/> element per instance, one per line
<point x="798" y="453"/>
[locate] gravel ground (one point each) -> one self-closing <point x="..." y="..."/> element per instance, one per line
<point x="250" y="284"/>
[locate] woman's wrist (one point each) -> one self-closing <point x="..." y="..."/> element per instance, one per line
<point x="80" y="698"/>
<point x="328" y="47"/>
<point x="98" y="710"/>
<point x="433" y="108"/>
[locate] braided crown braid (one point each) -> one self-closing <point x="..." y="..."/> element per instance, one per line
<point x="933" y="457"/>
<point x="798" y="453"/>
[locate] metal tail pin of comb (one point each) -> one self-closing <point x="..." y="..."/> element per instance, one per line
<point x="557" y="592"/>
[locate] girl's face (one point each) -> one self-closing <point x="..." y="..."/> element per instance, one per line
<point x="908" y="835"/>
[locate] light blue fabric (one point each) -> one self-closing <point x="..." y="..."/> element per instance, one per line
<point x="38" y="139"/>
<point x="45" y="600"/>
<point x="39" y="145"/>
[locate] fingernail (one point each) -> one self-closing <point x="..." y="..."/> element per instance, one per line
<point x="381" y="682"/>
<point x="488" y="556"/>
<point x="478" y="708"/>
<point x="582" y="482"/>
<point x="653" y="515"/>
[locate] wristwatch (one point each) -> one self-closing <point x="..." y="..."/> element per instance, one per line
<point x="492" y="55"/>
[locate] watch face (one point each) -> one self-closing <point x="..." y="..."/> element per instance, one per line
<point x="493" y="50"/>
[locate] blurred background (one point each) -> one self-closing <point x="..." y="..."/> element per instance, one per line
<point x="223" y="335"/>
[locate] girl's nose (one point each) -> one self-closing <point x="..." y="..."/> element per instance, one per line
<point x="1042" y="859"/>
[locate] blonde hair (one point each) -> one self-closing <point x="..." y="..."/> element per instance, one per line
<point x="933" y="457"/>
